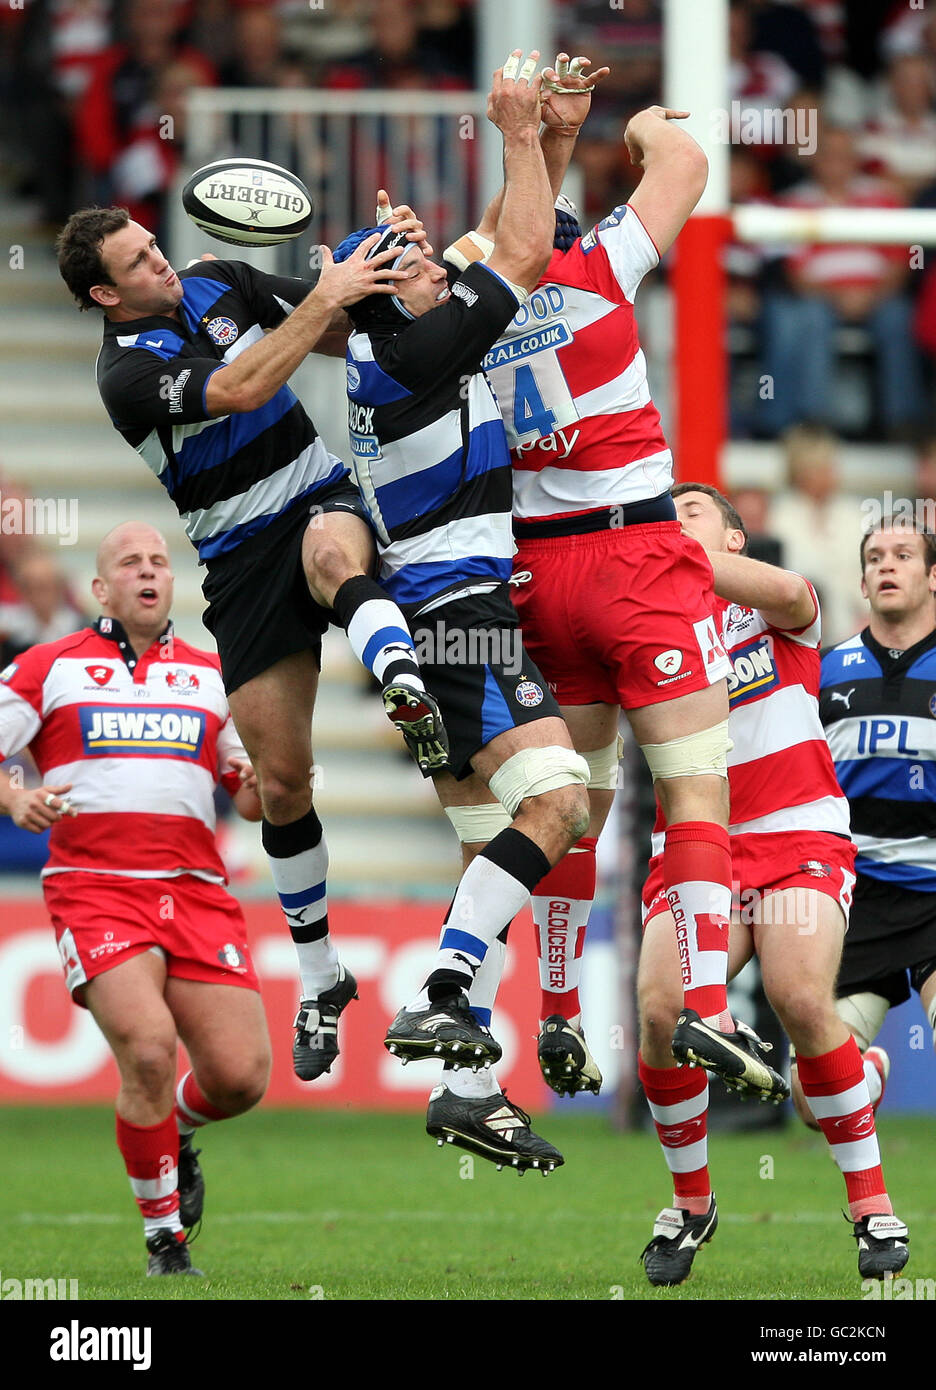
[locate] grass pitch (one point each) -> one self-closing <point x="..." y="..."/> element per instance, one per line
<point x="345" y="1205"/>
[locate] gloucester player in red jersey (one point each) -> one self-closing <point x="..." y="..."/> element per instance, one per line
<point x="130" y="729"/>
<point x="793" y="861"/>
<point x="614" y="601"/>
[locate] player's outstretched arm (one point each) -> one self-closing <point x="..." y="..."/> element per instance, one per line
<point x="526" y="224"/>
<point x="565" y="105"/>
<point x="256" y="375"/>
<point x="783" y="598"/>
<point x="675" y="172"/>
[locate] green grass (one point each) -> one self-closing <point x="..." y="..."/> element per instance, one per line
<point x="366" y="1207"/>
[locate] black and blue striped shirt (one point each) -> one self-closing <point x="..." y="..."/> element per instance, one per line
<point x="229" y="475"/>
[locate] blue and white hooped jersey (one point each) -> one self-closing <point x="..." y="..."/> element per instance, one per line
<point x="429" y="448"/>
<point x="879" y="714"/>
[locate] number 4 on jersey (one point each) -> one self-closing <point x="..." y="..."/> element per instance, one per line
<point x="530" y="411"/>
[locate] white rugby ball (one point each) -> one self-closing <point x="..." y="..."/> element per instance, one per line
<point x="248" y="202"/>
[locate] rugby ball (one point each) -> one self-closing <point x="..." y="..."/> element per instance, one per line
<point x="248" y="202"/>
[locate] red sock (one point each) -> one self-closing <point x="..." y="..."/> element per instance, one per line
<point x="192" y="1108"/>
<point x="697" y="877"/>
<point x="561" y="904"/>
<point x="835" y="1086"/>
<point x="151" y="1153"/>
<point x="678" y="1100"/>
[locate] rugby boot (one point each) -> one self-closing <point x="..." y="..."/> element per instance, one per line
<point x="169" y="1255"/>
<point x="316" y="1043"/>
<point x="738" y="1057"/>
<point x="676" y="1237"/>
<point x="447" y="1029"/>
<point x="564" y="1058"/>
<point x="191" y="1183"/>
<point x="882" y="1246"/>
<point x="417" y="716"/>
<point x="491" y="1127"/>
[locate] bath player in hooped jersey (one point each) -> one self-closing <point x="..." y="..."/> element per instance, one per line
<point x="878" y="707"/>
<point x="130" y="729"/>
<point x="793" y="868"/>
<point x="433" y="468"/>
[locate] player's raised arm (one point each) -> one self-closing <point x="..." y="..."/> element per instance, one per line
<point x="675" y="172"/>
<point x="784" y="598"/>
<point x="566" y="100"/>
<point x="525" y="226"/>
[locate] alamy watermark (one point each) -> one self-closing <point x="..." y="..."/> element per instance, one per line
<point x="766" y="125"/>
<point x="31" y="1289"/>
<point x="915" y="513"/>
<point x="40" y="516"/>
<point x="444" y="645"/>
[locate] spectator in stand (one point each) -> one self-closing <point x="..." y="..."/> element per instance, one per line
<point x="54" y="54"/>
<point x="827" y="285"/>
<point x="900" y="144"/>
<point x="399" y="56"/>
<point x="792" y="32"/>
<point x="761" y="545"/>
<point x="925" y="472"/>
<point x="142" y="174"/>
<point x="820" y="527"/>
<point x="40" y="608"/>
<point x="629" y="36"/>
<point x="121" y="100"/>
<point x="760" y="81"/>
<point x="257" y="43"/>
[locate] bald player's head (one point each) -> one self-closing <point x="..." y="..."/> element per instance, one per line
<point x="130" y="534"/>
<point x="134" y="578"/>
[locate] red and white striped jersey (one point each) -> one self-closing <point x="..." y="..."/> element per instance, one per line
<point x="571" y="381"/>
<point x="780" y="771"/>
<point x="143" y="743"/>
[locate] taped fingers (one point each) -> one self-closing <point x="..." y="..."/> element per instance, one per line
<point x="514" y="70"/>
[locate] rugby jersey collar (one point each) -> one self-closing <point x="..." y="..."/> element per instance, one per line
<point x="113" y="630"/>
<point x="897" y="667"/>
<point x="128" y="326"/>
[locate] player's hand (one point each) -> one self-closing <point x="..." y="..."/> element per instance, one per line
<point x="246" y="774"/>
<point x="36" y="808"/>
<point x="514" y="99"/>
<point x="205" y="256"/>
<point x="403" y="218"/>
<point x="348" y="281"/>
<point x="632" y="133"/>
<point x="566" y="93"/>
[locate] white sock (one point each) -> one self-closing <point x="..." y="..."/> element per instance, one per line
<point x="472" y="1085"/>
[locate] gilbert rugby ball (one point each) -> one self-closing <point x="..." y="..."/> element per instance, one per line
<point x="248" y="202"/>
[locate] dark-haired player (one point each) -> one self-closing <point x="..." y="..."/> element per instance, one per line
<point x="792" y="862"/>
<point x="877" y="706"/>
<point x="196" y="384"/>
<point x="433" y="467"/>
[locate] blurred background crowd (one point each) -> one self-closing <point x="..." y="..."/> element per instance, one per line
<point x="86" y="87"/>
